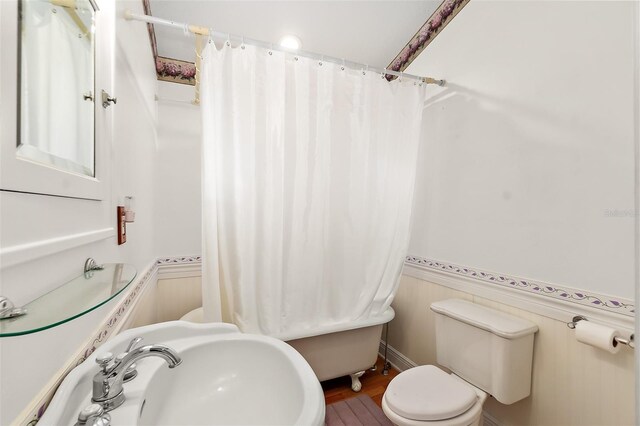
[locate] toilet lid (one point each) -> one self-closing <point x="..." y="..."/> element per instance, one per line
<point x="428" y="393"/>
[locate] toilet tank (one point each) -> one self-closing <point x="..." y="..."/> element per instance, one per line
<point x="490" y="349"/>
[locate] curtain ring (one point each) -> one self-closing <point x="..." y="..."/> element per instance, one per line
<point x="242" y="43"/>
<point x="229" y="40"/>
<point x="384" y="73"/>
<point x="342" y="67"/>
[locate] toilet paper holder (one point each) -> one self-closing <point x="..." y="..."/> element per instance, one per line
<point x="620" y="340"/>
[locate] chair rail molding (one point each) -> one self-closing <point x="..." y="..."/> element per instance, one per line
<point x="179" y="267"/>
<point x="553" y="301"/>
<point x="14" y="255"/>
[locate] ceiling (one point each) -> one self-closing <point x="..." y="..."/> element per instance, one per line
<point x="369" y="32"/>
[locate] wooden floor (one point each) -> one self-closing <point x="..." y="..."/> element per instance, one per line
<point x="373" y="384"/>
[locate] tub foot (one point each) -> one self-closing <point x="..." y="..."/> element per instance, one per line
<point x="356" y="385"/>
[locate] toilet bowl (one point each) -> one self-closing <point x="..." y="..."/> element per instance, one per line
<point x="197" y="316"/>
<point x="426" y="395"/>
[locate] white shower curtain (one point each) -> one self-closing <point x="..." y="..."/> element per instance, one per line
<point x="308" y="175"/>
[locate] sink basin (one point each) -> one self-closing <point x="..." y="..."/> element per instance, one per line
<point x="225" y="378"/>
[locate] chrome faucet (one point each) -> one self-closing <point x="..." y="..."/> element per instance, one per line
<point x="107" y="383"/>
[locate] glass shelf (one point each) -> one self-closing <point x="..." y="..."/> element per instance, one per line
<point x="71" y="300"/>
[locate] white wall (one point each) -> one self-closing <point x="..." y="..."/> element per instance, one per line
<point x="525" y="152"/>
<point x="530" y="146"/>
<point x="527" y="162"/>
<point x="27" y="363"/>
<point x="178" y="197"/>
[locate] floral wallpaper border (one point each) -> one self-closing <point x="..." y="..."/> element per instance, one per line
<point x="425" y="35"/>
<point x="184" y="72"/>
<point x="178" y="260"/>
<point x="168" y="69"/>
<point x="175" y="71"/>
<point x="146" y="6"/>
<point x="618" y="306"/>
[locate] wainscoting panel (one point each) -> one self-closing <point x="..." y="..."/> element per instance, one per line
<point x="178" y="296"/>
<point x="177" y="291"/>
<point x="573" y="384"/>
<point x="145" y="311"/>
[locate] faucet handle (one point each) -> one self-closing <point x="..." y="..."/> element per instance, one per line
<point x="133" y="343"/>
<point x="104" y="360"/>
<point x="94" y="415"/>
<point x="131" y="372"/>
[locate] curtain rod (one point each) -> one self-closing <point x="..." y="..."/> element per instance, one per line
<point x="203" y="31"/>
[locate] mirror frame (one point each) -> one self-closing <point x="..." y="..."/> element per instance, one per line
<point x="19" y="174"/>
<point x="30" y="152"/>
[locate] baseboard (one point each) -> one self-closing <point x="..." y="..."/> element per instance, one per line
<point x="401" y="362"/>
<point x="397" y="360"/>
<point x="489" y="420"/>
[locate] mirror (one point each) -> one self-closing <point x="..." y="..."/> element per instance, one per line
<point x="57" y="91"/>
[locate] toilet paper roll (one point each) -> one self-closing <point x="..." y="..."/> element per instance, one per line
<point x="598" y="336"/>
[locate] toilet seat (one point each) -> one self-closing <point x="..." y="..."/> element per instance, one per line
<point x="426" y="395"/>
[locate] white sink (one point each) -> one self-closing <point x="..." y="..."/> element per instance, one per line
<point x="225" y="378"/>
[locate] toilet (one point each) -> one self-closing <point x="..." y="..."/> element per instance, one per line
<point x="488" y="353"/>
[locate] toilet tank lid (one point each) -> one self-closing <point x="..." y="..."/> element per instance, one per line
<point x="496" y="322"/>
